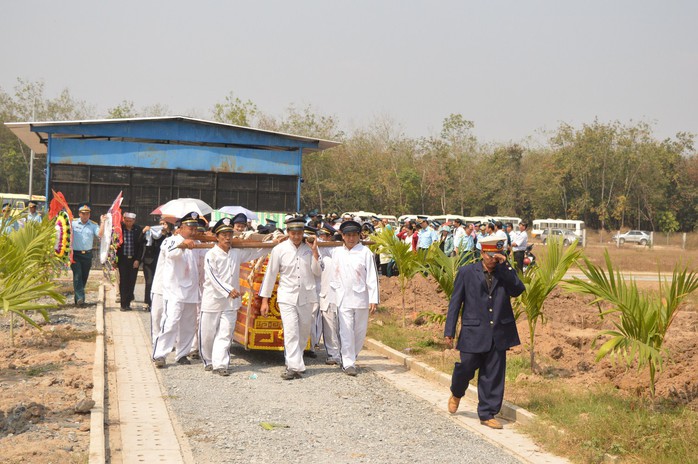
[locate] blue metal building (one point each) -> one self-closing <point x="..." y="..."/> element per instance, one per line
<point x="153" y="160"/>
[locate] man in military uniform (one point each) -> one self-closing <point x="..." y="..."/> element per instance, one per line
<point x="84" y="232"/>
<point x="481" y="296"/>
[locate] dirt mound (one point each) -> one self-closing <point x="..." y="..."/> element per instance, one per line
<point x="564" y="345"/>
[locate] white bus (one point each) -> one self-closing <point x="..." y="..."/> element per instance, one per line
<point x="539" y="225"/>
<point x="504" y="219"/>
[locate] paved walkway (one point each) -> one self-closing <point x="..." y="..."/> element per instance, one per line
<point x="144" y="430"/>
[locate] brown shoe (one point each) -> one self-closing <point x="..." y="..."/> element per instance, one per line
<point x="453" y="403"/>
<point x="492" y="423"/>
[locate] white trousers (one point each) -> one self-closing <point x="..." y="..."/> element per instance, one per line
<point x="316" y="327"/>
<point x="329" y="327"/>
<point x="353" y="323"/>
<point x="215" y="336"/>
<point x="296" y="321"/>
<point x="177" y="329"/>
<point x="195" y="341"/>
<point x="157" y="306"/>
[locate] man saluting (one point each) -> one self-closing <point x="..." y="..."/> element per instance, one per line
<point x="481" y="296"/>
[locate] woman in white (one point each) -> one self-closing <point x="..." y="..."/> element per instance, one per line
<point x="221" y="298"/>
<point x="355" y="282"/>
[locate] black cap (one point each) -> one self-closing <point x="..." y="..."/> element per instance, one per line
<point x="310" y="230"/>
<point x="327" y="229"/>
<point x="350" y="226"/>
<point x="190" y="219"/>
<point x="239" y="218"/>
<point x="223" y="225"/>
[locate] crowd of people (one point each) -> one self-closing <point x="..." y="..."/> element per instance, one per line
<point x="323" y="292"/>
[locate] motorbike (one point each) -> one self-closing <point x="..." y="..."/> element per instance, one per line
<point x="529" y="258"/>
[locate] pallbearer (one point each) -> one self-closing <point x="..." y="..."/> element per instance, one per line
<point x="355" y="281"/>
<point x="326" y="319"/>
<point x="180" y="286"/>
<point x="221" y="296"/>
<point x="298" y="264"/>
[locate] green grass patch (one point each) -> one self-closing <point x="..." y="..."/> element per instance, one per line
<point x="40" y="369"/>
<point x="583" y="424"/>
<point x="588" y="424"/>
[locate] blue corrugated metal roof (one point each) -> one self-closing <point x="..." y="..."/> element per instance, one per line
<point x="165" y="130"/>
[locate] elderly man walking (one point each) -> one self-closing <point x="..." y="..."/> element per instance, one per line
<point x="482" y="298"/>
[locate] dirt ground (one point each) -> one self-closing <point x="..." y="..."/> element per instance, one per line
<point x="47" y="374"/>
<point x="564" y="344"/>
<point x="46" y="388"/>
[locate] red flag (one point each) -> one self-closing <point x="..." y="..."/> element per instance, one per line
<point x="115" y="211"/>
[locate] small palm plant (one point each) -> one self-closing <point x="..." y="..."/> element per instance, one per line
<point x="540" y="281"/>
<point x="643" y="317"/>
<point x="408" y="263"/>
<point x="443" y="269"/>
<point x="27" y="264"/>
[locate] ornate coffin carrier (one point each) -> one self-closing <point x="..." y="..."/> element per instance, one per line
<point x="252" y="330"/>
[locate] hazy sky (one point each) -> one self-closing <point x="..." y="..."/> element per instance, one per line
<point x="513" y="67"/>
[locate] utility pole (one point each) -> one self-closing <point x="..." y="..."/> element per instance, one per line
<point x="31" y="158"/>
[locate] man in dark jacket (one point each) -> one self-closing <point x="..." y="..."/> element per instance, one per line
<point x="129" y="256"/>
<point x="481" y="297"/>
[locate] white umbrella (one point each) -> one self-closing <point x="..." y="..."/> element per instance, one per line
<point x="251" y="216"/>
<point x="181" y="206"/>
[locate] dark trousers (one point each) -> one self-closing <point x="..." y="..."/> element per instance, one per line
<point x="148" y="275"/>
<point x="519" y="258"/>
<point x="81" y="271"/>
<point x="490" y="379"/>
<point x="127" y="280"/>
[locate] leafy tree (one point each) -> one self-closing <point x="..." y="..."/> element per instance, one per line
<point x="125" y="109"/>
<point x="643" y="318"/>
<point x="235" y="111"/>
<point x="667" y="223"/>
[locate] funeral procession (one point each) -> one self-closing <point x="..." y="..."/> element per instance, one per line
<point x="349" y="233"/>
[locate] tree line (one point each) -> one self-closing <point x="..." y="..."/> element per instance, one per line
<point x="612" y="175"/>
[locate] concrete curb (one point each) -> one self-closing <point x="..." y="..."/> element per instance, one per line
<point x="97" y="438"/>
<point x="510" y="412"/>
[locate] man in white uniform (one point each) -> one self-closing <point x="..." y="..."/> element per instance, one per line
<point x="181" y="292"/>
<point x="355" y="282"/>
<point x="298" y="264"/>
<point x="221" y="297"/>
<point x="326" y="323"/>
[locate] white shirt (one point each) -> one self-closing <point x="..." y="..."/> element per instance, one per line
<point x="521" y="239"/>
<point x="180" y="274"/>
<point x="354" y="277"/>
<point x="458" y="237"/>
<point x="326" y="293"/>
<point x="297" y="269"/>
<point x="222" y="275"/>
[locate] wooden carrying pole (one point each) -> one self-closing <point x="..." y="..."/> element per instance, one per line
<point x="237" y="243"/>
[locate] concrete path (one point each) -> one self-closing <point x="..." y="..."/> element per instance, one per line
<point x="143" y="429"/>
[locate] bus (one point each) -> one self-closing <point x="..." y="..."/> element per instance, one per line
<point x="18" y="201"/>
<point x="539" y="225"/>
<point x="504" y="219"/>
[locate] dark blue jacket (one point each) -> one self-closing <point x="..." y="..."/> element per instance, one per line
<point x="484" y="316"/>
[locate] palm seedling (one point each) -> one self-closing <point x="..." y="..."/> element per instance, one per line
<point x="27" y="264"/>
<point x="407" y="262"/>
<point x="540" y="281"/>
<point x="643" y="317"/>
